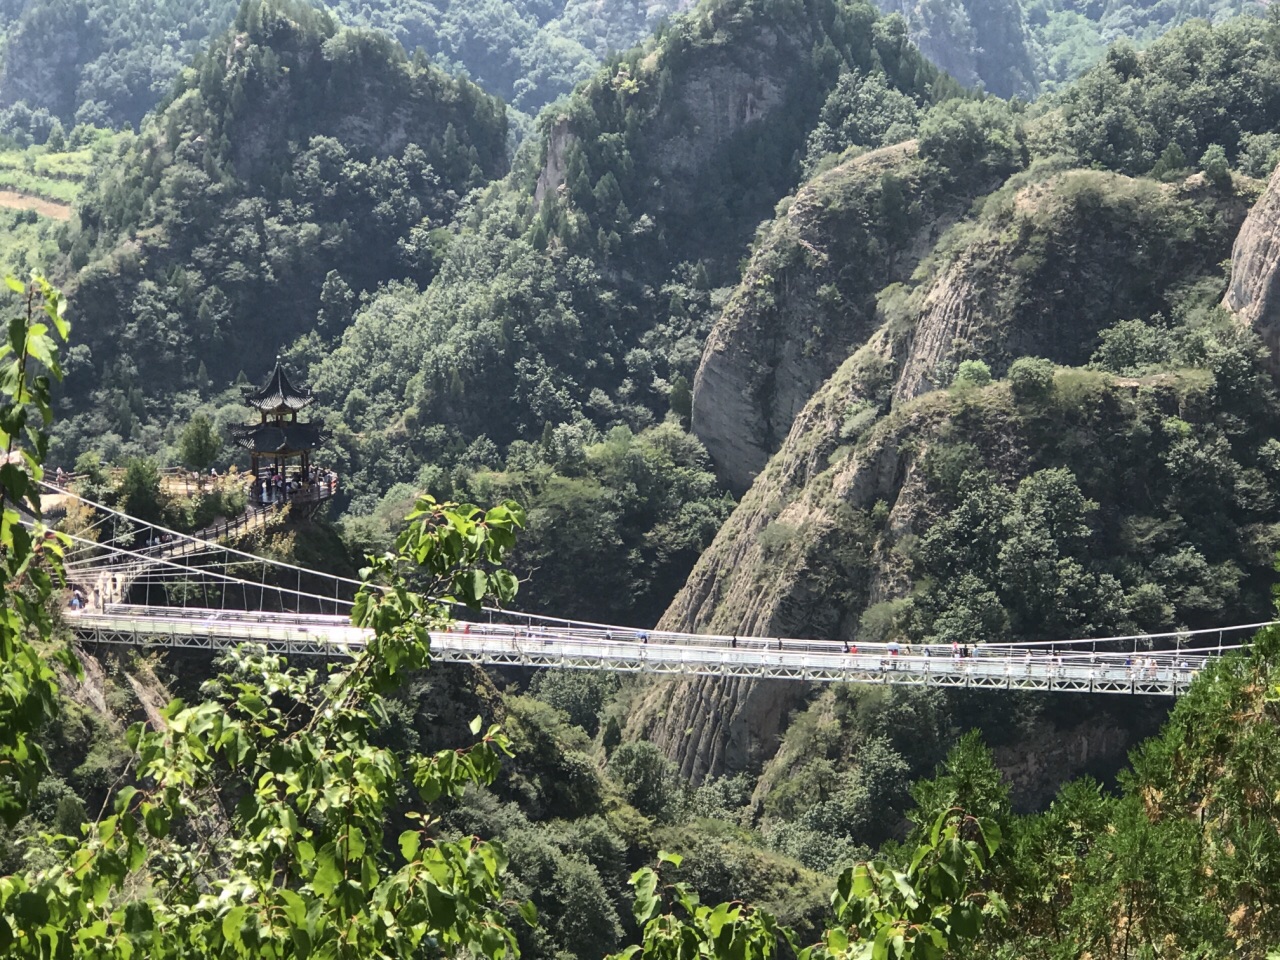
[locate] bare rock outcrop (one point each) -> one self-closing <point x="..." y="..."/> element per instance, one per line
<point x="808" y="300"/>
<point x="690" y="124"/>
<point x="712" y="726"/>
<point x="1254" y="292"/>
<point x="810" y="546"/>
<point x="559" y="139"/>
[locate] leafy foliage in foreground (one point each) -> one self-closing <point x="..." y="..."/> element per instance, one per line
<point x="257" y="820"/>
<point x="260" y="814"/>
<point x="29" y="556"/>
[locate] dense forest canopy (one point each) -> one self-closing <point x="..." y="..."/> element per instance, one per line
<point x="965" y="363"/>
<point x="109" y="62"/>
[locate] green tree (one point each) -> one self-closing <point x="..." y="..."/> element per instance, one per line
<point x="648" y="779"/>
<point x="581" y="694"/>
<point x="200" y="444"/>
<point x="29" y="556"/>
<point x="1215" y="165"/>
<point x="972" y="373"/>
<point x="139" y="491"/>
<point x="681" y="400"/>
<point x="1031" y="378"/>
<point x="924" y="911"/>
<point x="1172" y="163"/>
<point x="308" y="870"/>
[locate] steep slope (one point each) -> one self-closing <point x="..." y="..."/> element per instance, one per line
<point x="1046" y="269"/>
<point x="296" y="163"/>
<point x="982" y="43"/>
<point x="578" y="291"/>
<point x="828" y="540"/>
<point x="1255" y="271"/>
<point x="808" y="297"/>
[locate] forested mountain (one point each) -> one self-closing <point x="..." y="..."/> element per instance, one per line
<point x="105" y="63"/>
<point x="293" y="150"/>
<point x="1026" y="47"/>
<point x="108" y="62"/>
<point x="1114" y="480"/>
<point x="96" y="62"/>
<point x="566" y="301"/>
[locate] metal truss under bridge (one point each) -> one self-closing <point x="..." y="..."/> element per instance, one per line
<point x="194" y="594"/>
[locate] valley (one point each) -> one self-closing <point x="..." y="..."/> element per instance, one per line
<point x="873" y="333"/>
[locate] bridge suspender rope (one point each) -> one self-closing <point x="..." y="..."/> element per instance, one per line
<point x="1155" y="664"/>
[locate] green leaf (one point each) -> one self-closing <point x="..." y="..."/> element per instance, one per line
<point x="645" y="906"/>
<point x="529" y="912"/>
<point x="233" y="924"/>
<point x="837" y="940"/>
<point x="410" y="841"/>
<point x="327" y="876"/>
<point x="295" y="908"/>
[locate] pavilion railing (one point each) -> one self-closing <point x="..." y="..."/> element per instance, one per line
<point x="306" y="493"/>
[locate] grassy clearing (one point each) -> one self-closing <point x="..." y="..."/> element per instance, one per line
<point x="34" y="185"/>
<point x="52" y="175"/>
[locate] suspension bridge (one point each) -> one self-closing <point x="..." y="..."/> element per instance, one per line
<point x="148" y="586"/>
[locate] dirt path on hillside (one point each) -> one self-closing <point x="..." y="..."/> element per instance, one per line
<point x="46" y="208"/>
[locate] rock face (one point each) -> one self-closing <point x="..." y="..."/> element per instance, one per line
<point x="808" y="299"/>
<point x="716" y="726"/>
<point x="808" y="549"/>
<point x="726" y="94"/>
<point x="1039" y="276"/>
<point x="982" y="45"/>
<point x="1254" y="293"/>
<point x="1048" y="756"/>
<point x="559" y="139"/>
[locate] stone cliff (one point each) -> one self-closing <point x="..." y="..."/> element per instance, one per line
<point x="823" y="533"/>
<point x="1048" y="266"/>
<point x="808" y="299"/>
<point x="711" y="726"/>
<point x="1254" y="293"/>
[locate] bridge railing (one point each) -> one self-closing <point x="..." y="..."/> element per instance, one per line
<point x="332" y="636"/>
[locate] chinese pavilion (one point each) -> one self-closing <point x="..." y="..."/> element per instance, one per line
<point x="279" y="436"/>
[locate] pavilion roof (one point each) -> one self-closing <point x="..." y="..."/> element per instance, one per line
<point x="278" y="438"/>
<point x="278" y="395"/>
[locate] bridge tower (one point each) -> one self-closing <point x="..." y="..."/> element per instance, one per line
<point x="280" y="437"/>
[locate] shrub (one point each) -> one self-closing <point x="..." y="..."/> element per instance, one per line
<point x="972" y="373"/>
<point x="1215" y="166"/>
<point x="647" y="779"/>
<point x="1031" y="378"/>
